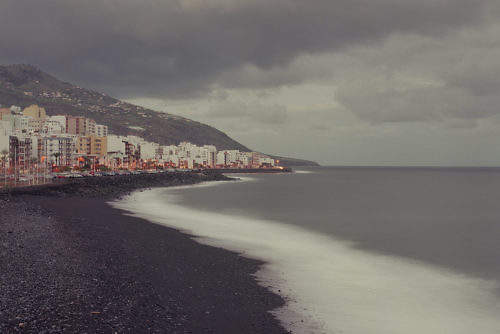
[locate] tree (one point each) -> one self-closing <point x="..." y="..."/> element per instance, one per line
<point x="13" y="158"/>
<point x="57" y="155"/>
<point x="34" y="164"/>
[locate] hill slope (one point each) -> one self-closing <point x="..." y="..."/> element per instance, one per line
<point x="24" y="85"/>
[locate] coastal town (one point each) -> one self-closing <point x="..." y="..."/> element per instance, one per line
<point x="35" y="147"/>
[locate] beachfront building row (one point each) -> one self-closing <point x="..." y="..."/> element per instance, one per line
<point x="131" y="149"/>
<point x="30" y="136"/>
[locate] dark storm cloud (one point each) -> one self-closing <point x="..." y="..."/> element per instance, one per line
<point x="178" y="48"/>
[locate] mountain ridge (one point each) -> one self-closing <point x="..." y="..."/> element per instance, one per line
<point x="23" y="85"/>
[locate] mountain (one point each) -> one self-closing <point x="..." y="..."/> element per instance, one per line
<point x="23" y="85"/>
<point x="294" y="162"/>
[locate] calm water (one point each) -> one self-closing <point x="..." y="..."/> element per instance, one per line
<point x="358" y="250"/>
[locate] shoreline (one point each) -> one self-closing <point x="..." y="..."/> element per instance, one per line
<point x="72" y="263"/>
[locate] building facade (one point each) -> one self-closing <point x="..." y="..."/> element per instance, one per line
<point x="34" y="111"/>
<point x="57" y="149"/>
<point x="92" y="146"/>
<point x="20" y="148"/>
<point x="101" y="130"/>
<point x="78" y="125"/>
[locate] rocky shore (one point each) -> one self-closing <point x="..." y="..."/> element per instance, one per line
<point x="112" y="186"/>
<point x="69" y="263"/>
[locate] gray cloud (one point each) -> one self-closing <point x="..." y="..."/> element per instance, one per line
<point x="414" y="78"/>
<point x="338" y="81"/>
<point x="179" y="48"/>
<point x="249" y="113"/>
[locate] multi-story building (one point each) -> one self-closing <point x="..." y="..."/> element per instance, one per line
<point x="148" y="150"/>
<point x="60" y="119"/>
<point x="4" y="111"/>
<point x="210" y="155"/>
<point x="101" y="130"/>
<point x="57" y="149"/>
<point x="5" y="132"/>
<point x="259" y="159"/>
<point x="78" y="125"/>
<point x="245" y="159"/>
<point x="20" y="148"/>
<point x="267" y="162"/>
<point x="116" y="143"/>
<point x="44" y="126"/>
<point x="34" y="111"/>
<point x="50" y="126"/>
<point x="21" y="124"/>
<point x="228" y="157"/>
<point x="132" y="153"/>
<point x="168" y="155"/>
<point x="92" y="145"/>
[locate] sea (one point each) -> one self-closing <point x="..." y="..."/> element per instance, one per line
<point x="356" y="249"/>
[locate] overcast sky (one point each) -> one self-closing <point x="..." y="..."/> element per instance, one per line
<point x="371" y="82"/>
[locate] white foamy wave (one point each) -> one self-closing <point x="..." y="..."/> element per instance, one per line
<point x="239" y="177"/>
<point x="331" y="286"/>
<point x="303" y="172"/>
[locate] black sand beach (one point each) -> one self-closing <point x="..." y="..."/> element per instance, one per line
<point x="71" y="263"/>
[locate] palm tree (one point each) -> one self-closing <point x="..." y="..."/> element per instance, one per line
<point x="34" y="164"/>
<point x="57" y="155"/>
<point x="117" y="162"/>
<point x="13" y="157"/>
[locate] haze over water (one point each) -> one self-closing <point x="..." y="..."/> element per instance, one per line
<point x="358" y="250"/>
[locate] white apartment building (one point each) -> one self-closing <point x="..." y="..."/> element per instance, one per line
<point x="228" y="157"/>
<point x="61" y="119"/>
<point x="58" y="149"/>
<point x="210" y="153"/>
<point x="5" y="132"/>
<point x="20" y="123"/>
<point x="168" y="154"/>
<point x="49" y="126"/>
<point x="45" y="126"/>
<point x="267" y="161"/>
<point x="116" y="143"/>
<point x="101" y="130"/>
<point x="148" y="149"/>
<point x="245" y="158"/>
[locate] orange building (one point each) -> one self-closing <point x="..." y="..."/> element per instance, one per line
<point x="35" y="111"/>
<point x="4" y="112"/>
<point x="92" y="145"/>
